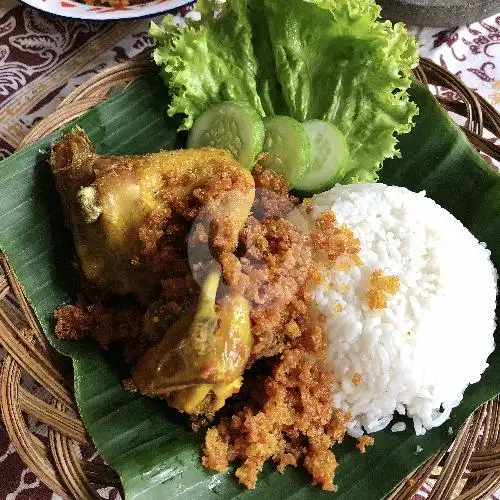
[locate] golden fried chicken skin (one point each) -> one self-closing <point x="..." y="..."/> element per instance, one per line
<point x="200" y="361"/>
<point x="121" y="208"/>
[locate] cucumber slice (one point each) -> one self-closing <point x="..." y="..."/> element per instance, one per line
<point x="329" y="156"/>
<point x="234" y="126"/>
<point x="288" y="147"/>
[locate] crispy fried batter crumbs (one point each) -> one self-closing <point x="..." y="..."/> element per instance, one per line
<point x="105" y="324"/>
<point x="316" y="277"/>
<point x="336" y="243"/>
<point x="293" y="420"/>
<point x="290" y="418"/>
<point x="274" y="266"/>
<point x="163" y="250"/>
<point x="72" y="323"/>
<point x="357" y="378"/>
<point x="215" y="451"/>
<point x="272" y="198"/>
<point x="337" y="308"/>
<point x="381" y="289"/>
<point x="270" y="181"/>
<point x="136" y="328"/>
<point x="363" y="442"/>
<point x="169" y="227"/>
<point x="276" y="269"/>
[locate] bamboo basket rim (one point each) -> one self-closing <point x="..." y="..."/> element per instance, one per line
<point x="468" y="470"/>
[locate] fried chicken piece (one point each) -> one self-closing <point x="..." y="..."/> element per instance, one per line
<point x="120" y="208"/>
<point x="200" y="361"/>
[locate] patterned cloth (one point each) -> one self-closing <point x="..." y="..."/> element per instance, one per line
<point x="43" y="58"/>
<point x="472" y="53"/>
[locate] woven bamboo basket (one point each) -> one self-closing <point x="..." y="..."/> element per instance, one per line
<point x="469" y="469"/>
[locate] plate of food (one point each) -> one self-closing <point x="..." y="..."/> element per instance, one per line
<point x="262" y="264"/>
<point x="106" y="10"/>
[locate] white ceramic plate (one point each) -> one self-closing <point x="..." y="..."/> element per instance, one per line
<point x="73" y="8"/>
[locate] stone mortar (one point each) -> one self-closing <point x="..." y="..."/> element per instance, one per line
<point x="439" y="13"/>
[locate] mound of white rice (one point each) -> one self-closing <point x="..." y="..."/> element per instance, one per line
<point x="417" y="355"/>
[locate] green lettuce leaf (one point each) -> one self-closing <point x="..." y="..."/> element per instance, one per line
<point x="325" y="59"/>
<point x="209" y="61"/>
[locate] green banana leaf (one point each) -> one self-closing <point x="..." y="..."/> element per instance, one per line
<point x="155" y="454"/>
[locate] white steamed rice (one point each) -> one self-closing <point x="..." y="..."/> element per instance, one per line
<point x="418" y="355"/>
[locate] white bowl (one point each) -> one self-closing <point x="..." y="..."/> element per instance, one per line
<point x="75" y="9"/>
